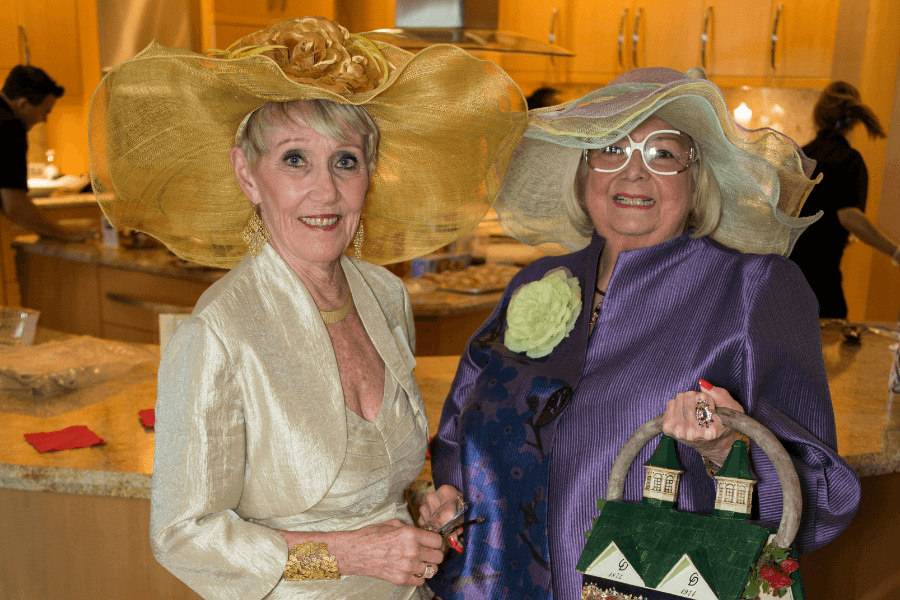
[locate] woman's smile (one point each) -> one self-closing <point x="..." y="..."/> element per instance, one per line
<point x="322" y="222"/>
<point x="629" y="201"/>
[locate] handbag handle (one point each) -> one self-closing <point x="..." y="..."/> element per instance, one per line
<point x="787" y="475"/>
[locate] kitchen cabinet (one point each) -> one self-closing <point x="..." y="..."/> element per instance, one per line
<point x="51" y="28"/>
<point x="366" y="15"/>
<point x="112" y="293"/>
<point x="131" y="302"/>
<point x="542" y="20"/>
<point x="805" y="31"/>
<point x="664" y="34"/>
<point x="59" y="209"/>
<point x="787" y="39"/>
<point x="607" y="38"/>
<point x="781" y="40"/>
<point x="263" y="11"/>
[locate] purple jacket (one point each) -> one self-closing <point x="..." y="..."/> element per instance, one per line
<point x="530" y="442"/>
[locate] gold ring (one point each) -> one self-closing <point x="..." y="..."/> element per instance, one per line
<point x="430" y="570"/>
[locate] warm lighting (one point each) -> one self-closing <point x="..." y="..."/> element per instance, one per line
<point x="743" y="114"/>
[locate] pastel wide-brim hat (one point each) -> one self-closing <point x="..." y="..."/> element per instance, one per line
<point x="162" y="125"/>
<point x="762" y="174"/>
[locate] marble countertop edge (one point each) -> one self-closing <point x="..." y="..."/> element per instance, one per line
<point x="875" y="463"/>
<point x="74" y="481"/>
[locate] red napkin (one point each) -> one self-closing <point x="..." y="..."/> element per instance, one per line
<point x="77" y="436"/>
<point x="148" y="417"/>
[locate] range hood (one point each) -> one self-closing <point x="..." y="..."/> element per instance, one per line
<point x="469" y="25"/>
<point x="127" y="26"/>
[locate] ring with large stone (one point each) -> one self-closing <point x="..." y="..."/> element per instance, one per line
<point x="430" y="570"/>
<point x="703" y="412"/>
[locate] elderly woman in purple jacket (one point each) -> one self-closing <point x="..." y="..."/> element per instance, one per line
<point x="677" y="296"/>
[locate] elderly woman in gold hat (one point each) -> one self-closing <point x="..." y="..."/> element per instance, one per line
<point x="289" y="421"/>
<point x="675" y="300"/>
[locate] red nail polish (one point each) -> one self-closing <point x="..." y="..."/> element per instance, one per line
<point x="705" y="384"/>
<point x="455" y="545"/>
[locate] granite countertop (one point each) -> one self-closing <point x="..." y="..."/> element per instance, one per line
<point x="427" y="302"/>
<point x="122" y="467"/>
<point x="866" y="414"/>
<point x="66" y="201"/>
<point x="868" y="422"/>
<point x="154" y="259"/>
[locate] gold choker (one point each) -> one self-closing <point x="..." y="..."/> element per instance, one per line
<point x="336" y="316"/>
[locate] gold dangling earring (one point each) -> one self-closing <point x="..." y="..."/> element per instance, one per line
<point x="255" y="234"/>
<point x="358" y="241"/>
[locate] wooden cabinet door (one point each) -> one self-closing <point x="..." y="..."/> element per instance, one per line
<point x="738" y="38"/>
<point x="805" y="42"/>
<point x="304" y="8"/>
<point x="52" y="29"/>
<point x="64" y="291"/>
<point x="534" y="19"/>
<point x="260" y="12"/>
<point x="9" y="37"/>
<point x="601" y="40"/>
<point x="666" y="34"/>
<point x="366" y="15"/>
<point x="242" y="11"/>
<point x="791" y="39"/>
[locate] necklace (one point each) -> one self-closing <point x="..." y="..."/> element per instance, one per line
<point x="336" y="316"/>
<point x="596" y="312"/>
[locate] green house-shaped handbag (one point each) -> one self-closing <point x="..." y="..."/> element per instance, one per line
<point x="651" y="551"/>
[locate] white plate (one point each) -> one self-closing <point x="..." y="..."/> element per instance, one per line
<point x="39" y="187"/>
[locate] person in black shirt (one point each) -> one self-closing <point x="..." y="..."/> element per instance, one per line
<point x="841" y="196"/>
<point x="27" y="97"/>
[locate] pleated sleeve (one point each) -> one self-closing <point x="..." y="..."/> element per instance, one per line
<point x="786" y="389"/>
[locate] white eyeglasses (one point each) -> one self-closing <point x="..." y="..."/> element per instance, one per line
<point x="664" y="152"/>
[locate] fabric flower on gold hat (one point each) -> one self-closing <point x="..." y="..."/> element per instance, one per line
<point x="315" y="51"/>
<point x="542" y="313"/>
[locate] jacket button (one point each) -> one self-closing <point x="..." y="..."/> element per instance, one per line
<point x="555" y="404"/>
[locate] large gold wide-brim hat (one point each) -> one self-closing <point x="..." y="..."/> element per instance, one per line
<point x="762" y="175"/>
<point x="162" y="125"/>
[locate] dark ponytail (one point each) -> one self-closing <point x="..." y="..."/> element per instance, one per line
<point x="840" y="108"/>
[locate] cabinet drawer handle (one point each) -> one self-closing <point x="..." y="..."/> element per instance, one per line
<point x="704" y="37"/>
<point x="551" y="37"/>
<point x="775" y="31"/>
<point x="23" y="35"/>
<point x="636" y="37"/>
<point x="157" y="307"/>
<point x="622" y="37"/>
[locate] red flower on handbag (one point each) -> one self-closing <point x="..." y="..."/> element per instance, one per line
<point x="789" y="565"/>
<point x="776" y="578"/>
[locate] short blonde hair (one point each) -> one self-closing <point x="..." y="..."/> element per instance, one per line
<point x="327" y="118"/>
<point x="706" y="207"/>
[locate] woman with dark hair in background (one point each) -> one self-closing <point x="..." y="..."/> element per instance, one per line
<point x="841" y="197"/>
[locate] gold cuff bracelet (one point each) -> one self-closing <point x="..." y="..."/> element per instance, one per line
<point x="310" y="560"/>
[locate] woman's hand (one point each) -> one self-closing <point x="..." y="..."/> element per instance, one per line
<point x="393" y="551"/>
<point x="439" y="509"/>
<point x="680" y="422"/>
